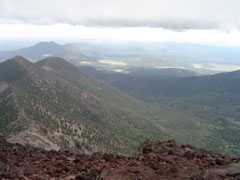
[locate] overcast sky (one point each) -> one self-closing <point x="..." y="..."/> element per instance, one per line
<point x="201" y="21"/>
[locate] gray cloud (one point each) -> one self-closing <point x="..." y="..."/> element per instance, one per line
<point x="168" y="14"/>
<point x="174" y="24"/>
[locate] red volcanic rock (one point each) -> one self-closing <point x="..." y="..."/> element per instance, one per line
<point x="200" y="155"/>
<point x="219" y="161"/>
<point x="189" y="155"/>
<point x="173" y="170"/>
<point x="155" y="160"/>
<point x="109" y="157"/>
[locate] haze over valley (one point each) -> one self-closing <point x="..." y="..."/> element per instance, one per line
<point x="124" y="56"/>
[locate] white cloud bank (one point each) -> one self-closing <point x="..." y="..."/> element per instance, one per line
<point x="197" y="21"/>
<point x="168" y="14"/>
<point x="75" y="33"/>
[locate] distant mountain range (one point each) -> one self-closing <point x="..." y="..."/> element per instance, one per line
<point x="46" y="49"/>
<point x="134" y="55"/>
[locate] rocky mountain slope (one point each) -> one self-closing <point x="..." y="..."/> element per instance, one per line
<point x="155" y="160"/>
<point x="213" y="100"/>
<point x="51" y="111"/>
<point x="67" y="71"/>
<point x="53" y="105"/>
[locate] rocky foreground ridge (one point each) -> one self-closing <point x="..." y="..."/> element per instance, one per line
<point x="155" y="160"/>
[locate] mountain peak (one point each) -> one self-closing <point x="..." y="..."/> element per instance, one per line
<point x="13" y="69"/>
<point x="19" y="60"/>
<point x="56" y="62"/>
<point x="50" y="43"/>
<point x="54" y="59"/>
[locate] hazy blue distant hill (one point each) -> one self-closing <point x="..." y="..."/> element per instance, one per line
<point x="203" y="59"/>
<point x="45" y="49"/>
<point x="172" y="51"/>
